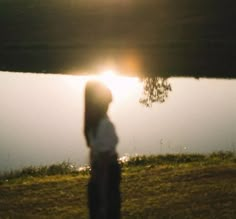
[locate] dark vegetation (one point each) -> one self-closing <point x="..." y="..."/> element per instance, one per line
<point x="158" y="38"/>
<point x="164" y="186"/>
<point x="69" y="168"/>
<point x="155" y="89"/>
<point x="63" y="168"/>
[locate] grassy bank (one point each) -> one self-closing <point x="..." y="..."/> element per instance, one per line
<point x="171" y="186"/>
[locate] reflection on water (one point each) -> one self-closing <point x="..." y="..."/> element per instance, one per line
<point x="41" y="118"/>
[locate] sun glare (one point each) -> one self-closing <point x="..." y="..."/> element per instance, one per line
<point x="109" y="77"/>
<point x="112" y="79"/>
<point x="121" y="86"/>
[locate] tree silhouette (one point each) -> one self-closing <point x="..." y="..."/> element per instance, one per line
<point x="155" y="89"/>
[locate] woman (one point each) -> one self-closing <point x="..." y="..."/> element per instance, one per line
<point x="101" y="138"/>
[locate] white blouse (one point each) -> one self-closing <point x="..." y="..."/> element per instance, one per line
<point x="106" y="138"/>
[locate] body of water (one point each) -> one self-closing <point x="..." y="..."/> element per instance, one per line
<point x="41" y="118"/>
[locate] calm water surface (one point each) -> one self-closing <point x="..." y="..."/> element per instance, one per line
<point x="41" y="118"/>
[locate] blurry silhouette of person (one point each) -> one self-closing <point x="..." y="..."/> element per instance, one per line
<point x="104" y="185"/>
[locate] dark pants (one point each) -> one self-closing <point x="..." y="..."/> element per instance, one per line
<point x="104" y="199"/>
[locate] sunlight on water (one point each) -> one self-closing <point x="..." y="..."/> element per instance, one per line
<point x="41" y="118"/>
<point x="122" y="87"/>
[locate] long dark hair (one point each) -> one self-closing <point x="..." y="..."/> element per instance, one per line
<point x="97" y="99"/>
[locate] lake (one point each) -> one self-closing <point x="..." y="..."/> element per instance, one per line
<point x="41" y="118"/>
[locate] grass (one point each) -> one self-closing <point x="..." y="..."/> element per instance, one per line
<point x="163" y="186"/>
<point x="63" y="168"/>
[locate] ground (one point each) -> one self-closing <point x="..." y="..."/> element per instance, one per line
<point x="202" y="188"/>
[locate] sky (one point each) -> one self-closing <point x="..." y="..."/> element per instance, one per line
<point x="41" y="118"/>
